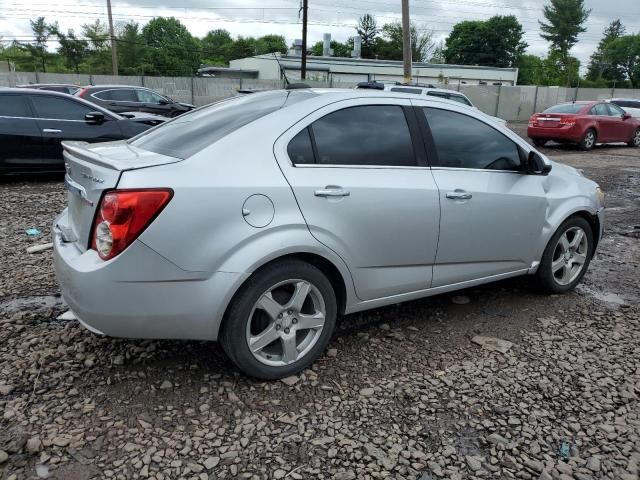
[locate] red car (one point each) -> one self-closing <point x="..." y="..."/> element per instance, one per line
<point x="584" y="123"/>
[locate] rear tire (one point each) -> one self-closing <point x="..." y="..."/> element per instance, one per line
<point x="567" y="256"/>
<point x="280" y="321"/>
<point x="540" y="142"/>
<point x="635" y="140"/>
<point x="588" y="140"/>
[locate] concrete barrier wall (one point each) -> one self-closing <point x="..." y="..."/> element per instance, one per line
<point x="510" y="103"/>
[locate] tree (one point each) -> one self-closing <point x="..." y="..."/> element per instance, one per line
<point x="564" y="22"/>
<point x="216" y="46"/>
<point x="368" y="31"/>
<point x="530" y="70"/>
<point x="271" y="44"/>
<point x="132" y="51"/>
<point x="73" y="49"/>
<point x="557" y="70"/>
<point x="496" y="42"/>
<point x="438" y="55"/>
<point x="38" y="49"/>
<point x="600" y="65"/>
<point x="99" y="54"/>
<point x="339" y="49"/>
<point x="625" y="52"/>
<point x="173" y="51"/>
<point x="389" y="46"/>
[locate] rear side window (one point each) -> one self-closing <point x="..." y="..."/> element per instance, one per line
<point x="187" y="134"/>
<point x="565" y="108"/>
<point x="59" y="108"/>
<point x="599" y="109"/>
<point x="462" y="141"/>
<point x="300" y="149"/>
<point x="369" y="135"/>
<point x="14" y="106"/>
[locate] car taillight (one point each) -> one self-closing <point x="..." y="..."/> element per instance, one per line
<point x="567" y="123"/>
<point x="82" y="92"/>
<point x="122" y="216"/>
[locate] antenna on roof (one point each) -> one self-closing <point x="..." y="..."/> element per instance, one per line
<point x="281" y="70"/>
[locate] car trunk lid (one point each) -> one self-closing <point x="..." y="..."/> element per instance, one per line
<point x="553" y="120"/>
<point x="90" y="170"/>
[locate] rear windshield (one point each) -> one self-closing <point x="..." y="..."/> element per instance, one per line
<point x="565" y="108"/>
<point x="188" y="134"/>
<point x="627" y="103"/>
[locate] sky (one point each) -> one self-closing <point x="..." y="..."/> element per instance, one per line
<point x="338" y="17"/>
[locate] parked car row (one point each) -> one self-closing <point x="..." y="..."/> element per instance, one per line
<point x="34" y="122"/>
<point x="587" y="123"/>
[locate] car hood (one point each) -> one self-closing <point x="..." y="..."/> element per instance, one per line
<point x="186" y="105"/>
<point x="564" y="169"/>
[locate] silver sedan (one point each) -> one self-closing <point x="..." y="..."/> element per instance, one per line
<point x="257" y="220"/>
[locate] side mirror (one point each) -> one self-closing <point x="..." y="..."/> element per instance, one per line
<point x="536" y="164"/>
<point x="94" y="118"/>
<point x="626" y="116"/>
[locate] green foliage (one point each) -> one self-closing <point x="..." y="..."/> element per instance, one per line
<point x="495" y="42"/>
<point x="600" y="66"/>
<point x="342" y="50"/>
<point x="564" y="22"/>
<point x="530" y="70"/>
<point x="389" y="46"/>
<point x="132" y="52"/>
<point x="172" y="49"/>
<point x="625" y="53"/>
<point x="368" y="31"/>
<point x="560" y="70"/>
<point x="73" y="49"/>
<point x="38" y="49"/>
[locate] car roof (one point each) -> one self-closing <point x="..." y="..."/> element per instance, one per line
<point x="116" y="86"/>
<point x="48" y="85"/>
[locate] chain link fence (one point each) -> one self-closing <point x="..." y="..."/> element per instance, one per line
<point x="510" y="103"/>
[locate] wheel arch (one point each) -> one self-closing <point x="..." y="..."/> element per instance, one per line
<point x="326" y="266"/>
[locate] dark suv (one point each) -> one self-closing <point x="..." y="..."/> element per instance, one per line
<point x="33" y="124"/>
<point x="125" y="98"/>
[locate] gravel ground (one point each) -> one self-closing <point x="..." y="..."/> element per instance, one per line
<point x="402" y="392"/>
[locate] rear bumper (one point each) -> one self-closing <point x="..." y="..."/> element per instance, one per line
<point x="140" y="294"/>
<point x="567" y="134"/>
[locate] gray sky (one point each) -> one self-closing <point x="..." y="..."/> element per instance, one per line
<point x="259" y="17"/>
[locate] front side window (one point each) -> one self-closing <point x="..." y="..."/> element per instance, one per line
<point x="14" y="106"/>
<point x="462" y="141"/>
<point x="614" y="110"/>
<point x="147" y="96"/>
<point x="368" y="135"/>
<point x="599" y="109"/>
<point x="59" y="108"/>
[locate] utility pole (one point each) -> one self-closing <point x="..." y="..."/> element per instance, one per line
<point x="114" y="53"/>
<point x="303" y="65"/>
<point x="406" y="41"/>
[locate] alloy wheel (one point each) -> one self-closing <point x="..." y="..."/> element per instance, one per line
<point x="569" y="255"/>
<point x="589" y="139"/>
<point x="286" y="322"/>
<point x="636" y="138"/>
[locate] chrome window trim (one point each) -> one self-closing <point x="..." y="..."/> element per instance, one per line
<point x="19" y="118"/>
<point x="368" y="167"/>
<point x="485" y="170"/>
<point x="94" y="95"/>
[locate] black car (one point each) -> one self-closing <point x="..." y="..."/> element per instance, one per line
<point x="125" y="98"/>
<point x="54" y="87"/>
<point x="33" y="123"/>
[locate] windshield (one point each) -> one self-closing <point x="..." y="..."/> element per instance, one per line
<point x="565" y="108"/>
<point x="188" y="134"/>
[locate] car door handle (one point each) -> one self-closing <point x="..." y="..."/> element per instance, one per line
<point x="459" y="195"/>
<point x="51" y="130"/>
<point x="332" y="191"/>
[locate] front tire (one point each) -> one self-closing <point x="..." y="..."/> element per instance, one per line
<point x="588" y="140"/>
<point x="635" y="140"/>
<point x="280" y="321"/>
<point x="567" y="255"/>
